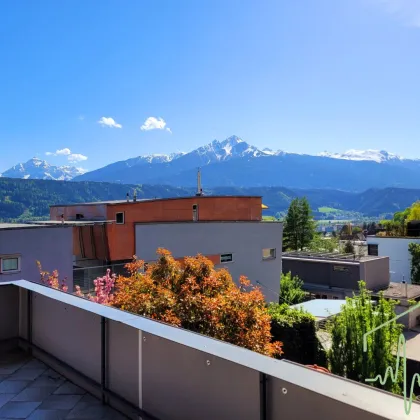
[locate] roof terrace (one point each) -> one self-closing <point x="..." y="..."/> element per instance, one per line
<point x="149" y="369"/>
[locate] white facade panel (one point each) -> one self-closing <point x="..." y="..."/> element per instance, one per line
<point x="399" y="257"/>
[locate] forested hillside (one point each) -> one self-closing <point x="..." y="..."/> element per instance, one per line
<point x="22" y="199"/>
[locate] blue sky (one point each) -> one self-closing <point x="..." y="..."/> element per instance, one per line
<point x="83" y="77"/>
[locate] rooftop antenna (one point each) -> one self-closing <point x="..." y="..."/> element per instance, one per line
<point x="128" y="197"/>
<point x="135" y="196"/>
<point x="199" y="189"/>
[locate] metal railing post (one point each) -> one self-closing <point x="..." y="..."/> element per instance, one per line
<point x="263" y="396"/>
<point x="29" y="319"/>
<point x="103" y="359"/>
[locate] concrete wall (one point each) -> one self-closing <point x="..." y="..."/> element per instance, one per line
<point x="9" y="312"/>
<point x="52" y="246"/>
<point x="375" y="273"/>
<point x="324" y="273"/>
<point x="397" y="251"/>
<point x="245" y="240"/>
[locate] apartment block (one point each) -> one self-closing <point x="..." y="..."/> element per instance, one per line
<point x="245" y="248"/>
<point x="335" y="276"/>
<point x="396" y="248"/>
<point x="22" y="245"/>
<point x="227" y="229"/>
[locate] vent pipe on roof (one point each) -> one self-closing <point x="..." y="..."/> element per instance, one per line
<point x="128" y="197"/>
<point x="199" y="189"/>
<point x="135" y="196"/>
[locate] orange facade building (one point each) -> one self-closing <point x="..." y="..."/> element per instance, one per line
<point x="112" y="237"/>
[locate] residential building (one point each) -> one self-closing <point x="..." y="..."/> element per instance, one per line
<point x="335" y="276"/>
<point x="227" y="229"/>
<point x="150" y="370"/>
<point x="396" y="248"/>
<point x="249" y="248"/>
<point x="22" y="245"/>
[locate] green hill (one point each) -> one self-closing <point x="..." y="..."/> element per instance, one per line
<point x="22" y="199"/>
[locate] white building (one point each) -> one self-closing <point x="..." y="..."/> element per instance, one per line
<point x="396" y="248"/>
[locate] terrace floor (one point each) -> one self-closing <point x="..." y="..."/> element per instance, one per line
<point x="31" y="390"/>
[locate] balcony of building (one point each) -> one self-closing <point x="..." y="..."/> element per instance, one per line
<point x="149" y="370"/>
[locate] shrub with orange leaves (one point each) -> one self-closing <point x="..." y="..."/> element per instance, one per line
<point x="195" y="296"/>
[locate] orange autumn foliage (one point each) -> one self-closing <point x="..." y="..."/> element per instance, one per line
<point x="195" y="296"/>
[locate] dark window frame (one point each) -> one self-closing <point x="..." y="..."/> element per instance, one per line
<point x="123" y="218"/>
<point x="228" y="261"/>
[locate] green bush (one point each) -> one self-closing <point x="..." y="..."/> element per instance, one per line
<point x="295" y="328"/>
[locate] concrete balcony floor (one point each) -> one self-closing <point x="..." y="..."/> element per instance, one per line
<point x="31" y="390"/>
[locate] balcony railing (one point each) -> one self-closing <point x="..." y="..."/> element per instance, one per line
<point x="152" y="370"/>
<point x="85" y="276"/>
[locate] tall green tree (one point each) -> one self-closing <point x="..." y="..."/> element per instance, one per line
<point x="291" y="291"/>
<point x="414" y="250"/>
<point x="358" y="316"/>
<point x="299" y="225"/>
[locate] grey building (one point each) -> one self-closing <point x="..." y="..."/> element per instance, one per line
<point x="22" y="245"/>
<point x="335" y="276"/>
<point x="250" y="248"/>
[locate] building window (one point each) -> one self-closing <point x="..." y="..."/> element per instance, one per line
<point x="119" y="218"/>
<point x="269" y="253"/>
<point x="225" y="258"/>
<point x="340" y="268"/>
<point x="79" y="216"/>
<point x="373" y="249"/>
<point x="195" y="212"/>
<point x="10" y="264"/>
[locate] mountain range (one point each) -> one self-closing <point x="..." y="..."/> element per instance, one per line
<point x="39" y="169"/>
<point x="235" y="163"/>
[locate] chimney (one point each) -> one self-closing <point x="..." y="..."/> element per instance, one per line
<point x="135" y="196"/>
<point x="199" y="189"/>
<point x="128" y="197"/>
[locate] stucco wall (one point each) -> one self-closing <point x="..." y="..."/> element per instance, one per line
<point x="245" y="240"/>
<point x="399" y="257"/>
<point x="52" y="246"/>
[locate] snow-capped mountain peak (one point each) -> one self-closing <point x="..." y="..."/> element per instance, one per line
<point x="369" y="154"/>
<point x="36" y="168"/>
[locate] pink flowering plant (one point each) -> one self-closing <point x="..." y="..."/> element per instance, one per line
<point x="103" y="289"/>
<point x="103" y="285"/>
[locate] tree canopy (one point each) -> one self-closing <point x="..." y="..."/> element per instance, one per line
<point x="358" y="316"/>
<point x="291" y="291"/>
<point x="299" y="225"/>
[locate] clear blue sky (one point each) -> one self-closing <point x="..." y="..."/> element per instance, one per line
<point x="302" y="76"/>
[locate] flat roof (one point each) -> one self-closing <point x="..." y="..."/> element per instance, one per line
<point x="321" y="308"/>
<point x="142" y="200"/>
<point x="398" y="290"/>
<point x="10" y="226"/>
<point x="392" y="237"/>
<point x="328" y="256"/>
<point x="71" y="222"/>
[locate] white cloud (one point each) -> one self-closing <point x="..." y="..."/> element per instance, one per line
<point x="153" y="123"/>
<point x="64" y="152"/>
<point x="61" y="152"/>
<point x="76" y="157"/>
<point x="109" y="122"/>
<point x="408" y="11"/>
